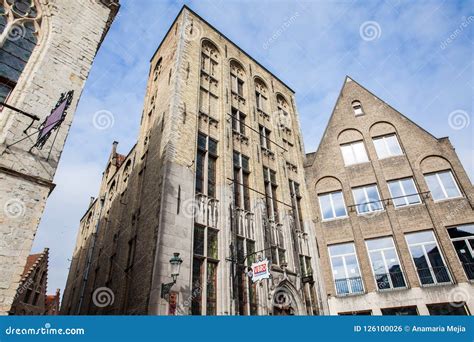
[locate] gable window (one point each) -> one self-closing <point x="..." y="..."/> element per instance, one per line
<point x="206" y="163"/>
<point x="238" y="121"/>
<point x="403" y="192"/>
<point x="442" y="185"/>
<point x="357" y="107"/>
<point x="345" y="269"/>
<point x="387" y="146"/>
<point x="367" y="199"/>
<point x="332" y="205"/>
<point x="354" y="153"/>
<point x="385" y="263"/>
<point x="462" y="238"/>
<point x="427" y="257"/>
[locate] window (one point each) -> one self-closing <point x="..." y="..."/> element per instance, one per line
<point x="385" y="263"/>
<point x="463" y="242"/>
<point x="157" y="69"/>
<point x="442" y="185"/>
<point x="209" y="58"/>
<point x="447" y="309"/>
<point x="296" y="205"/>
<point x="354" y="153"/>
<point x="367" y="199"/>
<point x="265" y="141"/>
<point x="427" y="257"/>
<point x="357" y="107"/>
<point x="261" y="101"/>
<point x="238" y="121"/>
<point x="403" y="192"/>
<point x="387" y="146"/>
<point x="206" y="163"/>
<point x="247" y="291"/>
<point x="237" y="85"/>
<point x="241" y="181"/>
<point x="16" y="52"/>
<point x="332" y="205"/>
<point x="305" y="265"/>
<point x="400" y="311"/>
<point x="345" y="269"/>
<point x="269" y="179"/>
<point x="205" y="250"/>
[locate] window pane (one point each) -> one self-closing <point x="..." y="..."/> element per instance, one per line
<point x="197" y="287"/>
<point x="410" y="190"/>
<point x="379" y="243"/>
<point x="373" y="198"/>
<point x="338" y="268"/>
<point x="446" y="309"/>
<point x="360" y="200"/>
<point x="198" y="241"/>
<point x="359" y="151"/>
<point x="211" y="288"/>
<point x="348" y="155"/>
<point x="339" y="206"/>
<point x="212" y="244"/>
<point x="396" y="191"/>
<point x="344" y="248"/>
<point x="202" y="141"/>
<point x="426" y="236"/>
<point x="380" y="148"/>
<point x="393" y="146"/>
<point x="212" y="146"/>
<point x="352" y="267"/>
<point x="434" y="186"/>
<point x="378" y="265"/>
<point x="462" y="231"/>
<point x="401" y="311"/>
<point x="449" y="185"/>
<point x="326" y="209"/>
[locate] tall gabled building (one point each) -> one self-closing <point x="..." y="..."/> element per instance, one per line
<point x="393" y="210"/>
<point x="216" y="176"/>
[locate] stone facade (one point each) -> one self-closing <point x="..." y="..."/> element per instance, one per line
<point x="359" y="116"/>
<point x="45" y="50"/>
<point x="214" y="121"/>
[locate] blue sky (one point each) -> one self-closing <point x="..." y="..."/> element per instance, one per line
<point x="417" y="56"/>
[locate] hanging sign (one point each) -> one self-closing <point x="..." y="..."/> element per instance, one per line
<point x="260" y="270"/>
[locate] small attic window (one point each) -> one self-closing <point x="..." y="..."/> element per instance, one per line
<point x="357" y="107"/>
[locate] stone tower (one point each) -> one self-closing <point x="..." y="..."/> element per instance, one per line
<point x="217" y="176"/>
<point x="46" y="48"/>
<point x="392" y="206"/>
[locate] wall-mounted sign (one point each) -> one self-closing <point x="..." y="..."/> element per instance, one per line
<point x="260" y="270"/>
<point x="54" y="119"/>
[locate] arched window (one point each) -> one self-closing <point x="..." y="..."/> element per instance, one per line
<point x="209" y="58"/>
<point x="20" y="22"/>
<point x="261" y="95"/>
<point x="283" y="112"/>
<point x="209" y="83"/>
<point x="357" y="107"/>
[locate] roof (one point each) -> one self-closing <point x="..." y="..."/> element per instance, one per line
<point x="32" y="261"/>
<point x="224" y="36"/>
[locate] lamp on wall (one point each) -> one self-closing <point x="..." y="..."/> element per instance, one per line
<point x="175" y="263"/>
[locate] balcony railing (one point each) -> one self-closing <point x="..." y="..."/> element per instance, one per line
<point x="390" y="281"/>
<point x="434" y="275"/>
<point x="206" y="210"/>
<point x="348" y="286"/>
<point x="245" y="223"/>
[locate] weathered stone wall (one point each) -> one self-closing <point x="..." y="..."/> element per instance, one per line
<point x="70" y="34"/>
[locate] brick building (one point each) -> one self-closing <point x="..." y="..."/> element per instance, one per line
<point x="46" y="48"/>
<point x="216" y="175"/>
<point x="392" y="207"/>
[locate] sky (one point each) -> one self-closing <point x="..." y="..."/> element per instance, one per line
<point x="415" y="55"/>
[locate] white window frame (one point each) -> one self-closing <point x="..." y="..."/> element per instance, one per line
<point x="354" y="154"/>
<point x="442" y="185"/>
<point x="425" y="254"/>
<point x="364" y="187"/>
<point x="383" y="249"/>
<point x="405" y="196"/>
<point x="384" y="138"/>
<point x="346" y="273"/>
<point x="333" y="210"/>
